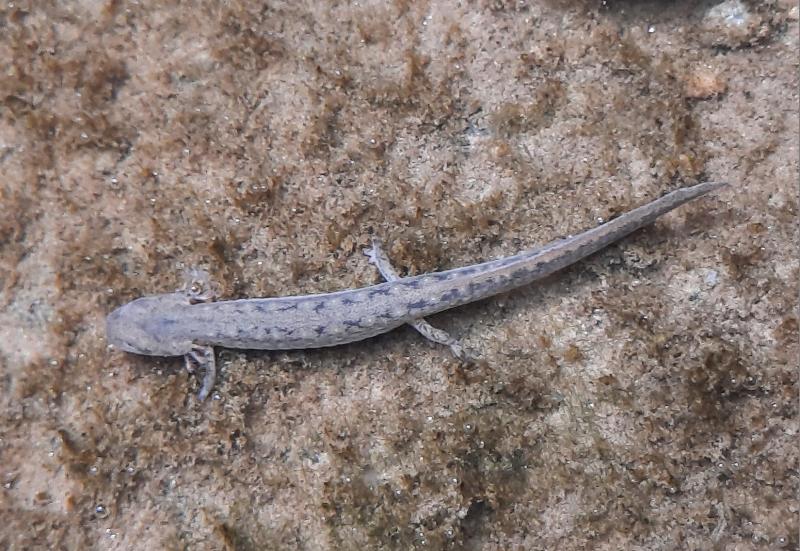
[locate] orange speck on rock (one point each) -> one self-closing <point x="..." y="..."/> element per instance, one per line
<point x="704" y="83"/>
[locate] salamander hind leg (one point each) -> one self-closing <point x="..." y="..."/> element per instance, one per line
<point x="439" y="336"/>
<point x="203" y="357"/>
<point x="377" y="257"/>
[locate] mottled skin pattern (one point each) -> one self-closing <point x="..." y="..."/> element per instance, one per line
<point x="177" y="324"/>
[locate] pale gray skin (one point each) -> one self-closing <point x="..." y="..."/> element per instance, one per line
<point x="185" y="323"/>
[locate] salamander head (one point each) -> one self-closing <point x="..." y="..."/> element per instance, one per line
<point x="144" y="326"/>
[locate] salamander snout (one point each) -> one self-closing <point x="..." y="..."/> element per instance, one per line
<point x="142" y="326"/>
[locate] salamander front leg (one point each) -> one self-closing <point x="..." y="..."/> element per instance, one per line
<point x="197" y="285"/>
<point x="378" y="257"/>
<point x="203" y="357"/>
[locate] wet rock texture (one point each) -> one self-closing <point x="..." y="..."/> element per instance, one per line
<point x="645" y="398"/>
